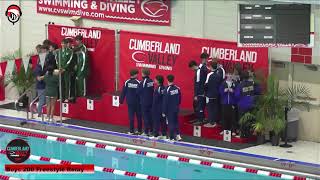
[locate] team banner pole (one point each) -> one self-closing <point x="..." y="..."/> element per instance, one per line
<point x="60" y="88"/>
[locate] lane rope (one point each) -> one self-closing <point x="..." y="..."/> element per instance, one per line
<point x="96" y="168"/>
<point x="154" y="155"/>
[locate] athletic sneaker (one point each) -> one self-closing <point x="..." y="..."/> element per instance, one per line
<point x="209" y="125"/>
<point x="130" y="133"/>
<point x="179" y="137"/>
<point x="170" y="140"/>
<point x="154" y="137"/>
<point x="144" y="134"/>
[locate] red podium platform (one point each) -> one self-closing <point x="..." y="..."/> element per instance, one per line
<point x="104" y="112"/>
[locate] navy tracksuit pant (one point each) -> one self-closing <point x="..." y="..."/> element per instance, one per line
<point x="173" y="124"/>
<point x="159" y="122"/>
<point x="134" y="110"/>
<point x="213" y="108"/>
<point x="201" y="104"/>
<point x="147" y="119"/>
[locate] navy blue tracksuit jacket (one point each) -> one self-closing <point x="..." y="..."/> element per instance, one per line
<point x="171" y="107"/>
<point x="130" y="93"/>
<point x="199" y="81"/>
<point x="145" y="91"/>
<point x="212" y="85"/>
<point x="158" y="120"/>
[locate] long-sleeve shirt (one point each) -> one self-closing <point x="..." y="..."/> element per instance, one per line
<point x="212" y="84"/>
<point x="200" y="79"/>
<point x="171" y="100"/>
<point x="129" y="92"/>
<point x="145" y="91"/>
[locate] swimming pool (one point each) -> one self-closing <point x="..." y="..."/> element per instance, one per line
<point x="116" y="161"/>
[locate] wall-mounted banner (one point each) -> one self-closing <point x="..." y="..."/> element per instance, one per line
<point x="157" y="12"/>
<point x="164" y="55"/>
<point x="100" y="44"/>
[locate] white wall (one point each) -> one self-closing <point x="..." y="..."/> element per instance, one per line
<point x="213" y="19"/>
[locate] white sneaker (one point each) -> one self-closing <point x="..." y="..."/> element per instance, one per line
<point x="50" y="120"/>
<point x="144" y="134"/>
<point x="153" y="137"/>
<point x="170" y="140"/>
<point x="179" y="138"/>
<point x="130" y="133"/>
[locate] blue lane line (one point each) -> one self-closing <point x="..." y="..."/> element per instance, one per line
<point x="175" y="143"/>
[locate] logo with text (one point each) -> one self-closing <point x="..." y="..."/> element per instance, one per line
<point x="18" y="151"/>
<point x="154" y="8"/>
<point x="13" y="13"/>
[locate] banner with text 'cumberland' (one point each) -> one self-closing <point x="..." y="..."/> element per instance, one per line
<point x="157" y="12"/>
<point x="165" y="55"/>
<point x="101" y="49"/>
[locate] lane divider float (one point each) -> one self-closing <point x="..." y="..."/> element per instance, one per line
<point x="96" y="168"/>
<point x="153" y="155"/>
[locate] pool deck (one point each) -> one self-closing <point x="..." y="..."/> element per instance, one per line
<point x="302" y="157"/>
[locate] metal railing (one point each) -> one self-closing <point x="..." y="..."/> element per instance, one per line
<point x="31" y="104"/>
<point x="17" y="102"/>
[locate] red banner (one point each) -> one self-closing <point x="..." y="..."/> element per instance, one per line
<point x="171" y="54"/>
<point x="50" y="168"/>
<point x="101" y="47"/>
<point x="157" y="12"/>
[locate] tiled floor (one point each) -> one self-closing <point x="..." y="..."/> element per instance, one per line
<point x="301" y="150"/>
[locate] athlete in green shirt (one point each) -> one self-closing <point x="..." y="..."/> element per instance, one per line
<point x="82" y="67"/>
<point x="65" y="56"/>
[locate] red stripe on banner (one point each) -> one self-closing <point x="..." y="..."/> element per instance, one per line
<point x="18" y="63"/>
<point x="206" y="163"/>
<point x="49" y="168"/>
<point x="254" y="171"/>
<point x="225" y="166"/>
<point x="153" y="178"/>
<point x="274" y="174"/>
<point x="121" y="149"/>
<point x="79" y="142"/>
<point x="3" y="177"/>
<point x="101" y="146"/>
<point x="162" y="156"/>
<point x="307" y="59"/>
<point x="61" y="139"/>
<point x="110" y="170"/>
<point x="299" y="178"/>
<point x="130" y="174"/>
<point x="3" y="66"/>
<point x="184" y="159"/>
<point x="44" y="159"/>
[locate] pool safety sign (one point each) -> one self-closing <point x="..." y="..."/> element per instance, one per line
<point x="115" y="101"/>
<point x="227" y="135"/>
<point x="155" y="12"/>
<point x="90" y="104"/>
<point x="65" y="108"/>
<point x="197" y="131"/>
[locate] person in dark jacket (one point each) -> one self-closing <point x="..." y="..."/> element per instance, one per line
<point x="212" y="94"/>
<point x="129" y="92"/>
<point x="245" y="94"/>
<point x="228" y="103"/>
<point x="145" y="91"/>
<point x="158" y="120"/>
<point x="171" y="107"/>
<point x="199" y="81"/>
<point x="51" y="91"/>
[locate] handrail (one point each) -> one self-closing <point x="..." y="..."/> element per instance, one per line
<point x="22" y="95"/>
<point x="32" y="103"/>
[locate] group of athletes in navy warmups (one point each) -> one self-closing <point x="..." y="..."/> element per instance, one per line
<point x="226" y="97"/>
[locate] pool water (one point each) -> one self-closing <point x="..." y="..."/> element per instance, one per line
<point x="111" y="159"/>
